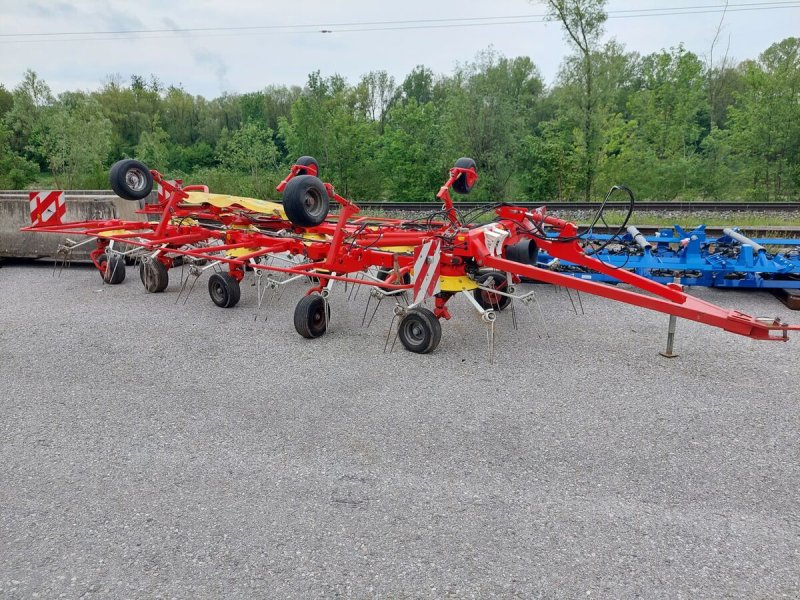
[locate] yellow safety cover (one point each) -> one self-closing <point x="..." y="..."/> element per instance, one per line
<point x="448" y="283"/>
<point x="263" y="207"/>
<point x="113" y="232"/>
<point x="237" y="252"/>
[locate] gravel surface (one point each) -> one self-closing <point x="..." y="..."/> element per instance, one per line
<point x="151" y="449"/>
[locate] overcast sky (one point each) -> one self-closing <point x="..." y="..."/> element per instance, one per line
<point x="244" y="60"/>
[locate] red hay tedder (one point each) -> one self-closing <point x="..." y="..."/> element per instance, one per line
<point x="423" y="262"/>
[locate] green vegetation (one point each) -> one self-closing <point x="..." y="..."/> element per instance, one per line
<point x="667" y="124"/>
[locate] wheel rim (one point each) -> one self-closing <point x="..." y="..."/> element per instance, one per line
<point x="217" y="292"/>
<point x="135" y="179"/>
<point x="312" y="201"/>
<point x="415" y="331"/>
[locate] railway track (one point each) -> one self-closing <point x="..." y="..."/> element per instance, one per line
<point x="430" y="205"/>
<point x="640" y="206"/>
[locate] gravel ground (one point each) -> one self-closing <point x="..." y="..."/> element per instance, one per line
<point x="151" y="449"/>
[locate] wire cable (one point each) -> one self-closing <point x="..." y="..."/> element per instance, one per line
<point x="371" y="26"/>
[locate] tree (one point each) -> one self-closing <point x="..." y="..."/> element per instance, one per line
<point x="152" y="148"/>
<point x="486" y="115"/>
<point x="75" y="138"/>
<point x="583" y="23"/>
<point x="15" y="171"/>
<point x="326" y="123"/>
<point x="412" y="153"/>
<point x="30" y="98"/>
<point x="418" y="85"/>
<point x="662" y="152"/>
<point x="250" y="149"/>
<point x="375" y="93"/>
<point x="765" y="124"/>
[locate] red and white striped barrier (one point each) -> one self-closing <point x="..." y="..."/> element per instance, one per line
<point x="427" y="269"/>
<point x="47" y="208"/>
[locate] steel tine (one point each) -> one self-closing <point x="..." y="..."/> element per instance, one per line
<point x="56" y="254"/>
<point x="184" y="281"/>
<point x="389" y="335"/>
<point x="514" y="323"/>
<point x="490" y="340"/>
<point x="580" y="302"/>
<point x="542" y="319"/>
<point x="189" y="293"/>
<point x="352" y="289"/>
<point x="65" y="263"/>
<point x="366" y="308"/>
<point x="571" y="301"/>
<point x="377" y="305"/>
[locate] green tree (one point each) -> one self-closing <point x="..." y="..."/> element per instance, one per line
<point x="486" y="116"/>
<point x="30" y="99"/>
<point x="765" y="124"/>
<point x="583" y="23"/>
<point x="16" y="172"/>
<point x="411" y="155"/>
<point x="250" y="149"/>
<point x="153" y="148"/>
<point x="75" y="138"/>
<point x="131" y="110"/>
<point x="327" y="123"/>
<point x="659" y="149"/>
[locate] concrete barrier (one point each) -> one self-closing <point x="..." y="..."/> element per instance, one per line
<point x="15" y="213"/>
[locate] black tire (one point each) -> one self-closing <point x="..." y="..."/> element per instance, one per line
<point x="460" y="185"/>
<point x="525" y="252"/>
<point x="305" y="161"/>
<point x="224" y="290"/>
<point x="130" y="179"/>
<point x="488" y="300"/>
<point x="310" y="318"/>
<point x="306" y="201"/>
<point x="420" y="331"/>
<point x="383" y="274"/>
<point x="154" y="276"/>
<point x="113" y="269"/>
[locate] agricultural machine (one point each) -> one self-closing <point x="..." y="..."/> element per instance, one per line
<point x="731" y="260"/>
<point x="418" y="263"/>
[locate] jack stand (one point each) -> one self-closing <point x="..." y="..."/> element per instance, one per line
<point x="668" y="353"/>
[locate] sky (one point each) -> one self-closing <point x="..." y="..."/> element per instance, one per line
<point x="284" y="42"/>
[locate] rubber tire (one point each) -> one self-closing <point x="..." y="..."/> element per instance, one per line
<point x="383" y="274"/>
<point x="310" y="320"/>
<point x="224" y="290"/>
<point x="113" y="271"/>
<point x="154" y="276"/>
<point x="305" y="161"/>
<point x="420" y="331"/>
<point x="296" y="197"/>
<point x="130" y="179"/>
<point x="485" y="299"/>
<point x="525" y="252"/>
<point x="460" y="185"/>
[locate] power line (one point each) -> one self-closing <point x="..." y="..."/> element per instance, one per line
<point x="368" y="26"/>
